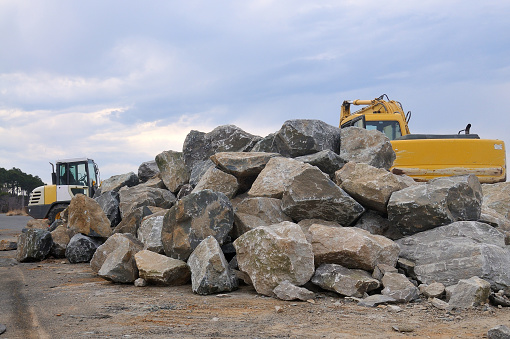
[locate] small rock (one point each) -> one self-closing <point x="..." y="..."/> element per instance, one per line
<point x="287" y="291"/>
<point x="403" y="328"/>
<point x="433" y="290"/>
<point x="3" y="328"/>
<point x="376" y="300"/>
<point x="7" y="245"/>
<point x="140" y="282"/>
<point x="440" y="304"/>
<point x="278" y="309"/>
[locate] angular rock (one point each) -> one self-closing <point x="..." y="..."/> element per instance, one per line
<point x="495" y="197"/>
<point x="376" y="300"/>
<point x="375" y="223"/>
<point x="275" y="176"/>
<point x="327" y="161"/>
<point x="109" y="202"/>
<point x="242" y="164"/>
<point x="493" y="218"/>
<point x="399" y="287"/>
<point x="470" y="293"/>
<point x="131" y="222"/>
<point x="7" y="245"/>
<point x="60" y="238"/>
<point x="149" y="232"/>
<point x="311" y="195"/>
<point x="159" y="269"/>
<point x="147" y="170"/>
<point x="41" y="224"/>
<point x="381" y="269"/>
<point x="287" y="291"/>
<point x="440" y="201"/>
<point x="81" y="248"/>
<point x="200" y="146"/>
<point x="154" y="182"/>
<point x="305" y="225"/>
<point x="499" y="332"/>
<point x="344" y="281"/>
<point x="365" y="146"/>
<point x="434" y="290"/>
<point x="369" y="185"/>
<point x="33" y="245"/>
<point x="194" y="218"/>
<point x="198" y="170"/>
<point x="218" y="181"/>
<point x="440" y="304"/>
<point x="266" y="145"/>
<point x="302" y="137"/>
<point x="210" y="272"/>
<point x="115" y="259"/>
<point x="139" y="196"/>
<point x="458" y="251"/>
<point x="85" y="216"/>
<point x="184" y="191"/>
<point x="116" y="182"/>
<point x="352" y="247"/>
<point x="273" y="254"/>
<point x="251" y="213"/>
<point x="173" y="170"/>
<point x="140" y="282"/>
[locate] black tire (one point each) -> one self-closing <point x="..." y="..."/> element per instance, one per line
<point x="55" y="212"/>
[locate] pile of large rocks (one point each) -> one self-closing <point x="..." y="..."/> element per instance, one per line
<point x="306" y="208"/>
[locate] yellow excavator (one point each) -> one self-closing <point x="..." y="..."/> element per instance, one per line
<point x="427" y="156"/>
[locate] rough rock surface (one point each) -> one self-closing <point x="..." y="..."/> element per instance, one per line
<point x="273" y="254"/>
<point x="7" y="245"/>
<point x="115" y="259"/>
<point x="499" y="332"/>
<point x="81" y="248"/>
<point x="434" y="290"/>
<point x="287" y="291"/>
<point x="198" y="170"/>
<point x="376" y="300"/>
<point x="194" y="218"/>
<point x="368" y="147"/>
<point x="495" y="197"/>
<point x="173" y="170"/>
<point x="227" y="138"/>
<point x="116" y="182"/>
<point x="301" y="137"/>
<point x="344" y="281"/>
<point x="60" y="240"/>
<point x="311" y="195"/>
<point x="147" y="170"/>
<point x="139" y="196"/>
<point x="85" y="216"/>
<point x="251" y="213"/>
<point x="242" y="164"/>
<point x="399" y="287"/>
<point x="109" y="202"/>
<point x="377" y="224"/>
<point x="440" y="201"/>
<point x="149" y="232"/>
<point x="218" y="181"/>
<point x="159" y="269"/>
<point x="458" y="251"/>
<point x="210" y="272"/>
<point x="33" y="245"/>
<point x="131" y="222"/>
<point x="470" y="292"/>
<point x="369" y="185"/>
<point x="327" y="161"/>
<point x="352" y="247"/>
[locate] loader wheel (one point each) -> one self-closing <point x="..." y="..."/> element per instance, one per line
<point x="55" y="212"/>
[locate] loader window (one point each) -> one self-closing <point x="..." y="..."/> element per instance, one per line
<point x="390" y="128"/>
<point x="72" y="174"/>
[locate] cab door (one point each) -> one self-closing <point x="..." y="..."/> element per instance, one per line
<point x="72" y="179"/>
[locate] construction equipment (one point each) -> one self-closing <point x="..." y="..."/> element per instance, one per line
<point x="428" y="156"/>
<point x="72" y="176"/>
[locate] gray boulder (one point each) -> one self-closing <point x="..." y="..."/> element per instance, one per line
<point x="147" y="170"/>
<point x="458" y="251"/>
<point x="470" y="293"/>
<point x="273" y="254"/>
<point x="140" y="196"/>
<point x="173" y="170"/>
<point x="159" y="269"/>
<point x="302" y="137"/>
<point x="398" y="287"/>
<point x="33" y="245"/>
<point x="312" y="195"/>
<point x="344" y="281"/>
<point x="218" y="181"/>
<point x="210" y="272"/>
<point x="499" y="332"/>
<point x="109" y="202"/>
<point x="365" y="146"/>
<point x="242" y="164"/>
<point x="440" y="201"/>
<point x="198" y="170"/>
<point x="495" y="197"/>
<point x="81" y="248"/>
<point x="199" y="146"/>
<point x="266" y="144"/>
<point x="287" y="291"/>
<point x="194" y="218"/>
<point x="116" y="182"/>
<point x="327" y="161"/>
<point x="149" y="232"/>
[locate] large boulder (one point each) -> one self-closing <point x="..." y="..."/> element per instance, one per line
<point x="495" y="197"/>
<point x="369" y="185"/>
<point x="251" y="213"/>
<point x="242" y="164"/>
<point x="159" y="269"/>
<point x="266" y="144"/>
<point x="109" y="202"/>
<point x="210" y="272"/>
<point x="173" y="170"/>
<point x="458" y="251"/>
<point x="365" y="146"/>
<point x="273" y="254"/>
<point x="139" y="196"/>
<point x="198" y="170"/>
<point x="352" y="247"/>
<point x="301" y="137"/>
<point x="275" y="176"/>
<point x="218" y="181"/>
<point x="33" y="245"/>
<point x="115" y="259"/>
<point x="227" y="138"/>
<point x="312" y="195"/>
<point x="86" y="216"/>
<point x="81" y="248"/>
<point x="344" y="281"/>
<point x="116" y="182"/>
<point x="470" y="293"/>
<point x="194" y="218"/>
<point x="149" y="232"/>
<point x="147" y="170"/>
<point x="440" y="201"/>
<point x="327" y="161"/>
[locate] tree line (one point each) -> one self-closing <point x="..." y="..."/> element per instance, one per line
<point x="15" y="182"/>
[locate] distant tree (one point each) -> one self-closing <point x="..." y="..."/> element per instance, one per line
<point x="15" y="182"/>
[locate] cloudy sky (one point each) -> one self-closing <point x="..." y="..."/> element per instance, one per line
<point x="121" y="81"/>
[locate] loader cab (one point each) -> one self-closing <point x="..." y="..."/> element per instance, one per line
<point x="389" y="124"/>
<point x="75" y="176"/>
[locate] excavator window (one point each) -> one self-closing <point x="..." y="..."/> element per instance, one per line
<point x="390" y="128"/>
